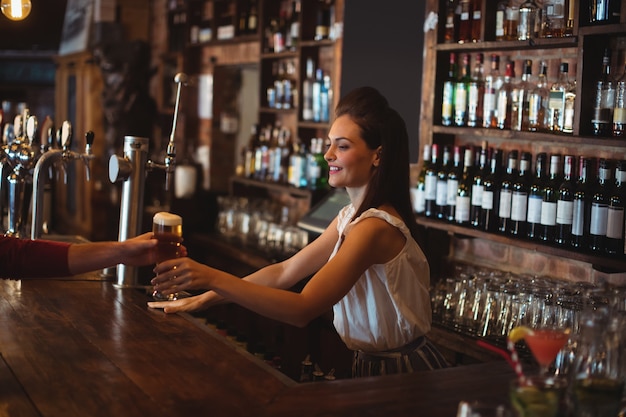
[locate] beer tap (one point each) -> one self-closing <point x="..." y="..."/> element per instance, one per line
<point x="4" y="172"/>
<point x="170" y="152"/>
<point x="21" y="155"/>
<point x="131" y="170"/>
<point x="60" y="158"/>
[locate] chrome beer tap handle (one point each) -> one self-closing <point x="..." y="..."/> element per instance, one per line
<point x="170" y="153"/>
<point x="88" y="155"/>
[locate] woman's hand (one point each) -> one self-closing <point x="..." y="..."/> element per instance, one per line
<point x="188" y="304"/>
<point x="180" y="274"/>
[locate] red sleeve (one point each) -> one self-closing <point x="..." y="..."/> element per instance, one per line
<point x="25" y="258"/>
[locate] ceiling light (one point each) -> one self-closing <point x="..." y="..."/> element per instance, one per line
<point x="15" y="9"/>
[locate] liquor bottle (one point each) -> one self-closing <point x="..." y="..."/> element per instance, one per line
<point x="511" y="21"/>
<point x="253" y="18"/>
<point x="600" y="208"/>
<point x="454" y="176"/>
<point x="619" y="112"/>
<point x="493" y="82"/>
<point x="322" y="26"/>
<point x="318" y="86"/>
<point x="500" y="18"/>
<point x="452" y="23"/>
<point x="538" y="99"/>
<point x="581" y="211"/>
<point x="419" y="202"/>
<point x="553" y="18"/>
<point x="317" y="166"/>
<point x="535" y="197"/>
<point x="286" y="144"/>
<point x="604" y="11"/>
<point x="602" y="119"/>
<point x="478" y="185"/>
<point x="447" y="106"/>
<point x="465" y="21"/>
<point x="615" y="216"/>
<point x="441" y="199"/>
<point x="293" y="32"/>
<point x="570" y="102"/>
<point x="569" y="18"/>
<point x="491" y="193"/>
<point x="529" y="21"/>
<point x="262" y="155"/>
<point x="476" y="20"/>
<point x="288" y="81"/>
<point x="242" y="20"/>
<point x="430" y="183"/>
<point x="565" y="204"/>
<point x="275" y="153"/>
<point x="325" y="98"/>
<point x="297" y="174"/>
<point x="550" y="195"/>
<point x="476" y="93"/>
<point x="278" y="32"/>
<point x="461" y="93"/>
<point x="506" y="193"/>
<point x="504" y="99"/>
<point x="520" y="103"/>
<point x="464" y="191"/>
<point x="279" y="86"/>
<point x="556" y="102"/>
<point x="519" y="199"/>
<point x="253" y="143"/>
<point x="205" y="31"/>
<point x="307" y="91"/>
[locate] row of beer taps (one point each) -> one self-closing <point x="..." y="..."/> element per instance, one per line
<point x="28" y="155"/>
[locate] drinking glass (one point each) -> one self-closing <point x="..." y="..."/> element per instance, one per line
<point x="538" y="396"/>
<point x="481" y="409"/>
<point x="168" y="230"/>
<point x="597" y="384"/>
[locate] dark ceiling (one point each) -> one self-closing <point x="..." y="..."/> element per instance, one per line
<point x="40" y="31"/>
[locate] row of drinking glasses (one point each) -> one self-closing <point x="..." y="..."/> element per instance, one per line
<point x="486" y="302"/>
<point x="260" y="223"/>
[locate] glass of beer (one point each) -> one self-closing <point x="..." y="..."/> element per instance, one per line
<point x="168" y="230"/>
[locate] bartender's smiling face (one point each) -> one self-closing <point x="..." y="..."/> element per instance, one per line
<point x="350" y="161"/>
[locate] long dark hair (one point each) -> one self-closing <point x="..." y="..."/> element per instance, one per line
<point x="382" y="126"/>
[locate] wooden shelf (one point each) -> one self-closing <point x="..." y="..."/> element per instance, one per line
<point x="522" y="136"/>
<point x="542" y="43"/>
<point x="297" y="192"/>
<point x="602" y="263"/>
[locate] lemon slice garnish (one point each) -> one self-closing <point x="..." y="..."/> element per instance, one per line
<point x="518" y="333"/>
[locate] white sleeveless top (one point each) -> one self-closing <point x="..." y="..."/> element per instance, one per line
<point x="389" y="306"/>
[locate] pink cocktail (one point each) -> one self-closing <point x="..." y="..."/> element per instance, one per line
<point x="545" y="344"/>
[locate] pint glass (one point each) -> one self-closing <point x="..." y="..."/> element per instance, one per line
<point x="168" y="230"/>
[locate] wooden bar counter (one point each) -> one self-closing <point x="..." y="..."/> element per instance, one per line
<point x="85" y="348"/>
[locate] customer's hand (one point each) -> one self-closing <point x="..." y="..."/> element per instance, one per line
<point x="141" y="250"/>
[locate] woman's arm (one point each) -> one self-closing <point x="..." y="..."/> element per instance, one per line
<point x="367" y="244"/>
<point x="281" y="275"/>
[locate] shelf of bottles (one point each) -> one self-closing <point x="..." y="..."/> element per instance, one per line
<point x="297" y="60"/>
<point x="274" y="156"/>
<point x="297" y="64"/>
<point x="510" y="91"/>
<point x="555" y="40"/>
<point x="210" y="21"/>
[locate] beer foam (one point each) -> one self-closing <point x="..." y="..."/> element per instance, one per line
<point x="164" y="218"/>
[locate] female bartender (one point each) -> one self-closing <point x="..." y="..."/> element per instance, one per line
<point x="366" y="266"/>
